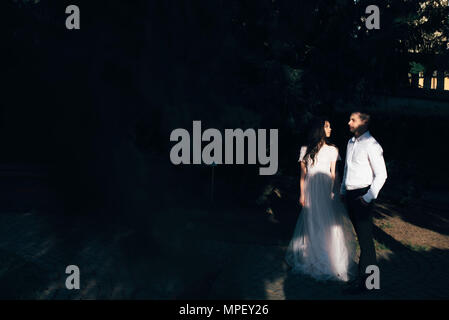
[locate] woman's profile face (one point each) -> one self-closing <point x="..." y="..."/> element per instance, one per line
<point x="327" y="129"/>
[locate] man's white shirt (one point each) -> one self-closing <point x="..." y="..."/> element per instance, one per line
<point x="364" y="166"/>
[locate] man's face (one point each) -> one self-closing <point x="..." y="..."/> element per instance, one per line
<point x="355" y="122"/>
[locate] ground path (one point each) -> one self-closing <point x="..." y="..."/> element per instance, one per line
<point x="201" y="254"/>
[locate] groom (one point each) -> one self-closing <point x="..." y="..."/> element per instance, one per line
<point x="364" y="175"/>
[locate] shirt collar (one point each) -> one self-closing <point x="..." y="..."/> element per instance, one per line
<point x="362" y="137"/>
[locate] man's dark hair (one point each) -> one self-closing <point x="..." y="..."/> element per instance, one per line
<point x="363" y="115"/>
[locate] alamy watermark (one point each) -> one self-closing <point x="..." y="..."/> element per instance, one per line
<point x="371" y="22"/>
<point x="73" y="280"/>
<point x="257" y="149"/>
<point x="373" y="280"/>
<point x="73" y="20"/>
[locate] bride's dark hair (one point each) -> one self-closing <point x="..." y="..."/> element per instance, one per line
<point x="316" y="138"/>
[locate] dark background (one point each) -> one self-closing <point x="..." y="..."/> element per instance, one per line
<point x="87" y="114"/>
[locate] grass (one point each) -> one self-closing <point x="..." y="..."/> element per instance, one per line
<point x="417" y="247"/>
<point x="380" y="246"/>
<point x="385" y="225"/>
<point x="19" y="279"/>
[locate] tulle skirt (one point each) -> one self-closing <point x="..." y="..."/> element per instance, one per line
<point x="323" y="243"/>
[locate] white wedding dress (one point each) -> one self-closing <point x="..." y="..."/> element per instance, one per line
<point x="323" y="243"/>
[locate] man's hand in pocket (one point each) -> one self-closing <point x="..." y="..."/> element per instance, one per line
<point x="363" y="202"/>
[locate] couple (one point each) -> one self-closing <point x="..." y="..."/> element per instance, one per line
<point x="323" y="244"/>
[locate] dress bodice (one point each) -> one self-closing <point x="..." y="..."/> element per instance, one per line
<point x="323" y="159"/>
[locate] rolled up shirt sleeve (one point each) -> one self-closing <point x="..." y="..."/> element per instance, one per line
<point x="376" y="159"/>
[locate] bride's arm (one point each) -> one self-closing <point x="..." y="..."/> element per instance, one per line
<point x="301" y="183"/>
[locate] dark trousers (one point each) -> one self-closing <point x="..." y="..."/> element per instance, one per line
<point x="362" y="219"/>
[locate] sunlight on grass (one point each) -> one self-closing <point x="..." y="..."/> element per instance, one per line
<point x="417" y="247"/>
<point x="385" y="225"/>
<point x="273" y="288"/>
<point x="380" y="246"/>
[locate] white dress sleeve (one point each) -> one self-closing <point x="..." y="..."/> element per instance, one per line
<point x="302" y="153"/>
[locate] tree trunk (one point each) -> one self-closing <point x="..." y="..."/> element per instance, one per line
<point x="440" y="80"/>
<point x="415" y="80"/>
<point x="427" y="80"/>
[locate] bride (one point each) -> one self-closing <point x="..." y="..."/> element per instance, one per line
<point x="323" y="243"/>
